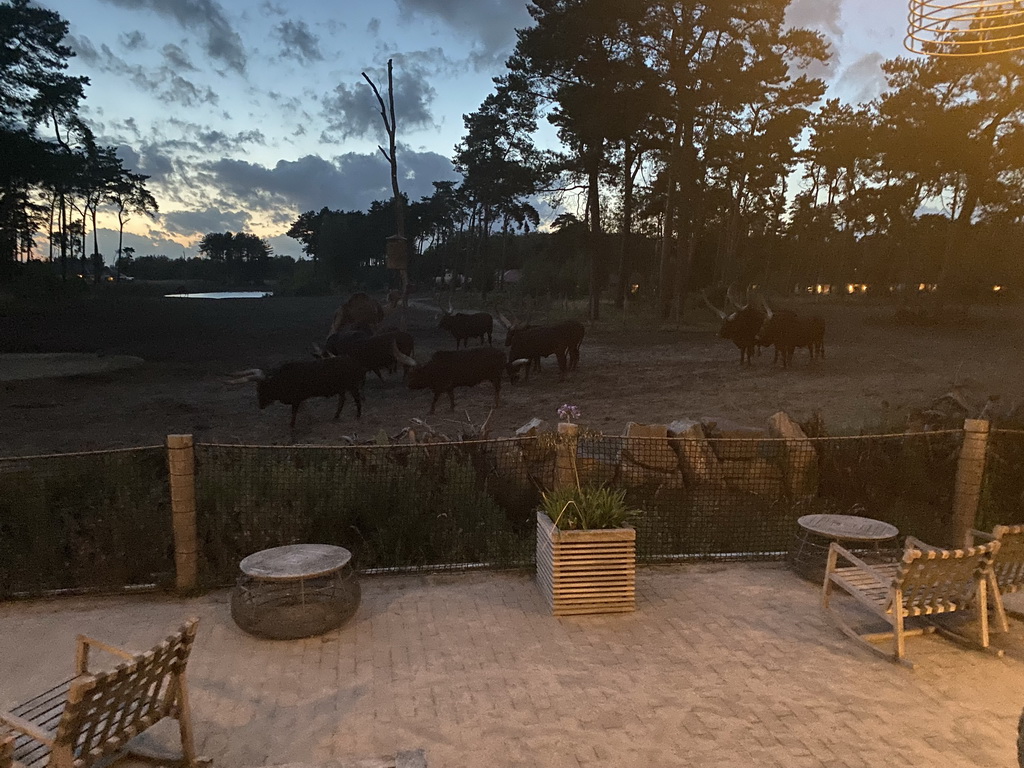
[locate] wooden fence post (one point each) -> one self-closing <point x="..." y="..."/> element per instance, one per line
<point x="181" y="465"/>
<point x="565" y="454"/>
<point x="970" y="472"/>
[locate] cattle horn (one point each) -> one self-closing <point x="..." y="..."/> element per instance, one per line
<point x="732" y="299"/>
<point x="765" y="307"/>
<point x="252" y="374"/>
<point x="505" y="321"/>
<point x="713" y="308"/>
<point x="403" y="359"/>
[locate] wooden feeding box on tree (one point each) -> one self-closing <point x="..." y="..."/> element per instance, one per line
<point x="397" y="252"/>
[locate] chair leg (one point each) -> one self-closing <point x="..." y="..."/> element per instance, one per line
<point x="864" y="640"/>
<point x="899" y="644"/>
<point x="997" y="602"/>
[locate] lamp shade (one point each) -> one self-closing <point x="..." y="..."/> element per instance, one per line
<point x="965" y="28"/>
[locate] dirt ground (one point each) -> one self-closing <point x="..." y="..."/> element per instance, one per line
<point x="875" y="373"/>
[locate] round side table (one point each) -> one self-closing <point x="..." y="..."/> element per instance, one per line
<point x="298" y="590"/>
<point x="810" y="548"/>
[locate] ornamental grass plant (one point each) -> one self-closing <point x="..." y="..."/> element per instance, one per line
<point x="587" y="507"/>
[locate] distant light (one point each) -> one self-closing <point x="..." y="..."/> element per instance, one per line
<point x="997" y="288"/>
<point x="634" y="288"/>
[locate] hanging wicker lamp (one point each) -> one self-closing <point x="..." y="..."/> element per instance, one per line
<point x="965" y="28"/>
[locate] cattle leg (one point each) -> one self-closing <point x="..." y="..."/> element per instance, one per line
<point x="341" y="402"/>
<point x="497" y="391"/>
<point x="295" y="410"/>
<point x="451" y="397"/>
<point x="561" y="365"/>
<point x="433" y="403"/>
<point x="359" y="401"/>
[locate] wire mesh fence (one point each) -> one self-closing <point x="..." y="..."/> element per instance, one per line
<point x="104" y="519"/>
<point x="723" y="498"/>
<point x="438" y="504"/>
<point x="1002" y="493"/>
<point x="85" y="521"/>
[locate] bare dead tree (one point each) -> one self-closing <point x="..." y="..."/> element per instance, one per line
<point x="387" y="114"/>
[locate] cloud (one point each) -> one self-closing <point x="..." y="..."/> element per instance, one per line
<point x="199" y="222"/>
<point x="205" y="16"/>
<point x="353" y="110"/>
<point x="490" y="25"/>
<point x="175" y="58"/>
<point x="132" y="41"/>
<point x="349" y="182"/>
<point x="863" y="80"/>
<point x="298" y="42"/>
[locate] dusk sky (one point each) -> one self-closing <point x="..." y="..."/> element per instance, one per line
<point x="246" y="113"/>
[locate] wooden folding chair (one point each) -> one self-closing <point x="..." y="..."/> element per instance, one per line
<point x="926" y="581"/>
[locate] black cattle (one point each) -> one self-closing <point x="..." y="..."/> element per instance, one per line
<point x="740" y="327"/>
<point x="467" y="325"/>
<point x="295" y="382"/>
<point x="360" y="309"/>
<point x="570" y="332"/>
<point x="449" y="369"/>
<point x="529" y="344"/>
<point x="373" y="352"/>
<point x="787" y="330"/>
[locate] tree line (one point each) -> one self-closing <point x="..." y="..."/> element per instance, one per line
<point x="696" y="149"/>
<point x="54" y="176"/>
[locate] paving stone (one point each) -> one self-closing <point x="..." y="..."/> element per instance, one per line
<point x="720" y="665"/>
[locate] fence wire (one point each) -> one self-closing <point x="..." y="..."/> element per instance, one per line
<point x="86" y="521"/>
<point x="1002" y="494"/>
<point x="439" y="505"/>
<point x="103" y="520"/>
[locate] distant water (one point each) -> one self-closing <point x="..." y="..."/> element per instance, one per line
<point x="220" y="295"/>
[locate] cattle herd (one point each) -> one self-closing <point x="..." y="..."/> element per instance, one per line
<point x="358" y="344"/>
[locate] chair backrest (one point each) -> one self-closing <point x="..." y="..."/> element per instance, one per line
<point x="105" y="710"/>
<point x="1009" y="563"/>
<point x="942" y="580"/>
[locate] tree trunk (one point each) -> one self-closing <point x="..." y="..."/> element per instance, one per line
<point x="627" y="225"/>
<point x="594" y="204"/>
<point x="666" y="278"/>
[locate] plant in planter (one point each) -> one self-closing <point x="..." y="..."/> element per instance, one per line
<point x="586" y="549"/>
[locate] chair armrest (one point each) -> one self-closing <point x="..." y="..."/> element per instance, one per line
<point x="857" y="562"/>
<point x="976" y="534"/>
<point x="30" y="729"/>
<point x="916" y="543"/>
<point x="85" y="643"/>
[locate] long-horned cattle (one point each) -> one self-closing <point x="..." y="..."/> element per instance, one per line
<point x="372" y="351"/>
<point x="532" y="342"/>
<point x="449" y="369"/>
<point x="466" y="325"/>
<point x="740" y="326"/>
<point x="360" y="309"/>
<point x="787" y="330"/>
<point x="295" y="382"/>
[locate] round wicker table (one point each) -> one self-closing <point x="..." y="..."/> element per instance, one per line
<point x="810" y="548"/>
<point x="298" y="590"/>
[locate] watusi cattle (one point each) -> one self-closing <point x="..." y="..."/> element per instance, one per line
<point x="295" y="382"/>
<point x="570" y="333"/>
<point x="467" y="325"/>
<point x="448" y="369"/>
<point x="373" y="352"/>
<point x="528" y="344"/>
<point x="361" y="308"/>
<point x="741" y="326"/>
<point x="786" y="331"/>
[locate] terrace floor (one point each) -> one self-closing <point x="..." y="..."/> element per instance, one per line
<point x="721" y="665"/>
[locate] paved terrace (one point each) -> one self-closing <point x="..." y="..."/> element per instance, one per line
<point x="721" y="665"/>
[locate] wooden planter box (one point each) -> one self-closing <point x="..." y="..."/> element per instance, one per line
<point x="586" y="571"/>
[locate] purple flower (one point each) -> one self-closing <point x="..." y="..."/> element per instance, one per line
<point x="568" y="412"/>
